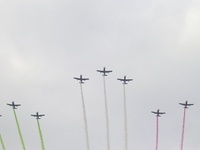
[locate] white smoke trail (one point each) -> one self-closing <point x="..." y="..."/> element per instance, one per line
<point x="85" y="118"/>
<point x="106" y="113"/>
<point x="183" y="129"/>
<point x="125" y="120"/>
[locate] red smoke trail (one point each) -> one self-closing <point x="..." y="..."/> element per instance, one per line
<point x="157" y="132"/>
<point x="183" y="128"/>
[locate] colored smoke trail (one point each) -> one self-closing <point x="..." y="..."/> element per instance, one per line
<point x="183" y="129"/>
<point x="157" y="127"/>
<point x="19" y="130"/>
<point x="40" y="133"/>
<point x="2" y="143"/>
<point x="125" y="120"/>
<point x="85" y="118"/>
<point x="106" y="113"/>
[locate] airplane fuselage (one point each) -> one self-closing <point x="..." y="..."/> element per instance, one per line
<point x="81" y="79"/>
<point x="104" y="71"/>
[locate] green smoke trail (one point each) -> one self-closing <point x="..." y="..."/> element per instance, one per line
<point x="40" y="132"/>
<point x="2" y="143"/>
<point x="19" y="131"/>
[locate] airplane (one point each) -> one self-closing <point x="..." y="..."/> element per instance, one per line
<point x="186" y="104"/>
<point x="81" y="79"/>
<point x="158" y="113"/>
<point x="125" y="80"/>
<point x="14" y="106"/>
<point x="104" y="71"/>
<point x="38" y="116"/>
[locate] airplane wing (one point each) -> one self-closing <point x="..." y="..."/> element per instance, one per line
<point x="108" y="71"/>
<point x="120" y="79"/>
<point x="34" y="115"/>
<point x="190" y="104"/>
<point x="85" y="78"/>
<point x="154" y="112"/>
<point x="76" y="78"/>
<point x="9" y="104"/>
<point x="161" y="113"/>
<point x="41" y="115"/>
<point x="17" y="104"/>
<point x="129" y="79"/>
<point x="182" y="104"/>
<point x="99" y="71"/>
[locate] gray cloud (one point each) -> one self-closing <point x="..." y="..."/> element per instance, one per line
<point x="44" y="44"/>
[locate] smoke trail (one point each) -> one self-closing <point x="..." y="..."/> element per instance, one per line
<point x="85" y="118"/>
<point x="2" y="143"/>
<point x="106" y="112"/>
<point x="40" y="132"/>
<point x="125" y="120"/>
<point x="157" y="127"/>
<point x="183" y="128"/>
<point x="19" y="130"/>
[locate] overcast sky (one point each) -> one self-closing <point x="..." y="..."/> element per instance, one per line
<point x="44" y="44"/>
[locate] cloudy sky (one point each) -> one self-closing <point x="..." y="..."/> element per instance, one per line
<point x="44" y="44"/>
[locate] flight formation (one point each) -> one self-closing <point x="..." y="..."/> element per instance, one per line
<point x="38" y="116"/>
<point x="158" y="114"/>
<point x="125" y="81"/>
<point x="82" y="80"/>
